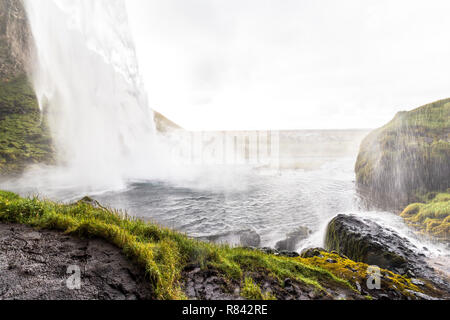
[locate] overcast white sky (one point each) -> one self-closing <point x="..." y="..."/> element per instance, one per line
<point x="291" y="64"/>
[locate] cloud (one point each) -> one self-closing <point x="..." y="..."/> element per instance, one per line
<point x="285" y="64"/>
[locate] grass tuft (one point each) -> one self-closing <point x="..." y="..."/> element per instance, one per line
<point x="24" y="135"/>
<point x="252" y="291"/>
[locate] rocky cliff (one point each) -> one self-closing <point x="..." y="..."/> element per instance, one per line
<point x="362" y="240"/>
<point x="24" y="136"/>
<point x="407" y="158"/>
<point x="15" y="40"/>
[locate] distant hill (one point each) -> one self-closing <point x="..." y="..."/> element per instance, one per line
<point x="164" y="125"/>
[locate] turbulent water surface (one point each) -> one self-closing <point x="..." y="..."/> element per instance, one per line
<point x="269" y="203"/>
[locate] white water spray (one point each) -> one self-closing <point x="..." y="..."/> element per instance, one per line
<point x="87" y="82"/>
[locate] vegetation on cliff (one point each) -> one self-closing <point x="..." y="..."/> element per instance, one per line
<point x="408" y="157"/>
<point x="16" y="46"/>
<point x="431" y="216"/>
<point x="24" y="134"/>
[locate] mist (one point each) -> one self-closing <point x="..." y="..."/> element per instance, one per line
<point x="251" y="64"/>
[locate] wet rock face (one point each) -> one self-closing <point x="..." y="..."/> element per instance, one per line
<point x="208" y="285"/>
<point x="408" y="156"/>
<point x="312" y="252"/>
<point x="250" y="238"/>
<point x="293" y="239"/>
<point x="365" y="241"/>
<point x="245" y="238"/>
<point x="34" y="266"/>
<point x="16" y="45"/>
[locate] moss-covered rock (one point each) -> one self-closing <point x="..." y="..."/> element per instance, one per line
<point x="293" y="239"/>
<point x="367" y="242"/>
<point x="407" y="157"/>
<point x="431" y="216"/>
<point x="392" y="285"/>
<point x="24" y="134"/>
<point x="363" y="240"/>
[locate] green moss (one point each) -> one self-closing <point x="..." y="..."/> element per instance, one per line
<point x="431" y="217"/>
<point x="237" y="261"/>
<point x="8" y="195"/>
<point x="252" y="291"/>
<point x="24" y="135"/>
<point x="347" y="243"/>
<point x="356" y="273"/>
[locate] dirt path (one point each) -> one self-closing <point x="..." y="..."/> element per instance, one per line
<point x="34" y="265"/>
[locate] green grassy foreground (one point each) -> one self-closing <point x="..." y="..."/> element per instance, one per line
<point x="432" y="216"/>
<point x="161" y="252"/>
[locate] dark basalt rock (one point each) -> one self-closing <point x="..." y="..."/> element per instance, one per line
<point x="209" y="284"/>
<point x="365" y="241"/>
<point x="269" y="250"/>
<point x="293" y="239"/>
<point x="312" y="252"/>
<point x="25" y="135"/>
<point x="250" y="238"/>
<point x="289" y="254"/>
<point x="34" y="266"/>
<point x="275" y="252"/>
<point x="245" y="238"/>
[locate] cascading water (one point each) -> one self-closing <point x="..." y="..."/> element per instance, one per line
<point x="87" y="82"/>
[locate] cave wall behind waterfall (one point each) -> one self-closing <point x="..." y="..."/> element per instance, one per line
<point x="24" y="137"/>
<point x="15" y="40"/>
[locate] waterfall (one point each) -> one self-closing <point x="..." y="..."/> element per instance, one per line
<point x="88" y="85"/>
